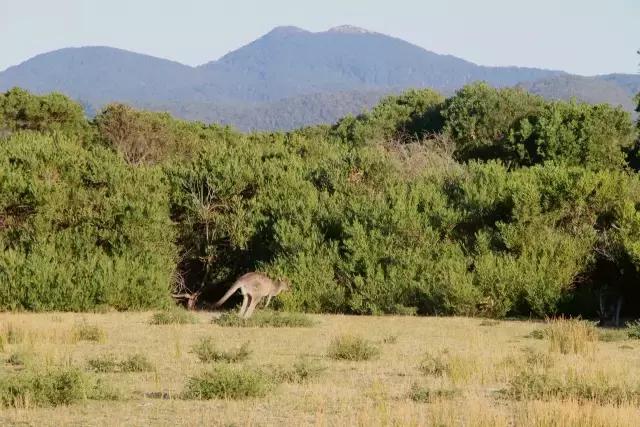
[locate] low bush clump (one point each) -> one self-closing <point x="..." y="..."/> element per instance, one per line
<point x="175" y="316"/>
<point x="62" y="386"/>
<point x="420" y="393"/>
<point x="226" y="382"/>
<point x="80" y="228"/>
<point x="136" y="363"/>
<point x="543" y="385"/>
<point x="109" y="364"/>
<point x="611" y="335"/>
<point x="458" y="368"/>
<point x="301" y="371"/>
<point x="434" y="365"/>
<point x="633" y="330"/>
<point x="105" y="363"/>
<point x="19" y="358"/>
<point x="87" y="332"/>
<point x="206" y="351"/>
<point x="353" y="348"/>
<point x="266" y="319"/>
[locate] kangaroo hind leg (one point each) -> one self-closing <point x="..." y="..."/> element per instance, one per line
<point x="245" y="304"/>
<point x="252" y="305"/>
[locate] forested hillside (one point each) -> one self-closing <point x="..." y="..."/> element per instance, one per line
<point x="491" y="202"/>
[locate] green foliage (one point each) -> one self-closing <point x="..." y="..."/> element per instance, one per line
<point x="79" y="228"/>
<point x="21" y="110"/>
<point x="424" y="394"/>
<point x="136" y="363"/>
<point x="303" y="370"/>
<point x="411" y="115"/>
<point x="266" y="319"/>
<point x="226" y="382"/>
<point x="144" y="137"/>
<point x="61" y="386"/>
<point x="104" y="364"/>
<point x="352" y="348"/>
<point x="207" y="351"/>
<point x="371" y="216"/>
<point x="535" y="385"/>
<point x="595" y="136"/>
<point x="173" y="316"/>
<point x="108" y="364"/>
<point x="86" y="332"/>
<point x="479" y="119"/>
<point x="633" y="330"/>
<point x="523" y="129"/>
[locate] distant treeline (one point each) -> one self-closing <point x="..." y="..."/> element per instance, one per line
<point x="492" y="202"/>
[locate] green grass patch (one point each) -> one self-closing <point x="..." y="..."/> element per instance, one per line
<point x="266" y="319"/>
<point x="175" y="316"/>
<point x="531" y="384"/>
<point x="109" y="364"/>
<point x="303" y="370"/>
<point x="136" y="363"/>
<point x="353" y="348"/>
<point x="424" y="394"/>
<point x="207" y="351"/>
<point x="62" y="386"/>
<point x="87" y="332"/>
<point x="227" y="382"/>
<point x="104" y="364"/>
<point x="633" y="330"/>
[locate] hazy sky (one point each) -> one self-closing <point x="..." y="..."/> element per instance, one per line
<point x="580" y="36"/>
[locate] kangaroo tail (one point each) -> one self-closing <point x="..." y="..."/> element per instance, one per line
<point x="228" y="294"/>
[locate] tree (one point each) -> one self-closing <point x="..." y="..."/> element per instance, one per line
<point x="21" y="110"/>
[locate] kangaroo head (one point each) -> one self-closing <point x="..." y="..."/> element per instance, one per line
<point x="283" y="285"/>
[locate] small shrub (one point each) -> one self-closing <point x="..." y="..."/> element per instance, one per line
<point x="62" y="386"/>
<point x="633" y="330"/>
<point x="87" y="332"/>
<point x="176" y="316"/>
<point x="206" y="351"/>
<point x="266" y="319"/>
<point x="434" y="365"/>
<point x="537" y="359"/>
<point x="457" y="368"/>
<point x="427" y="395"/>
<point x="18" y="358"/>
<point x="301" y="371"/>
<point x="136" y="363"/>
<point x="351" y="347"/>
<point x="611" y="335"/>
<point x="106" y="363"/>
<point x="224" y="382"/>
<point x="601" y="389"/>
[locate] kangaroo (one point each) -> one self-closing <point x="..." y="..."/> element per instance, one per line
<point x="254" y="287"/>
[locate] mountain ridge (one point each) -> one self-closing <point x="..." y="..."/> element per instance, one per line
<point x="287" y="63"/>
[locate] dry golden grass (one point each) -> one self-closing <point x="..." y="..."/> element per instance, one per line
<point x="479" y="362"/>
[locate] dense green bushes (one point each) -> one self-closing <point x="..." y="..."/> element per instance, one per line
<point x="20" y="110"/>
<point x="78" y="228"/>
<point x="542" y="208"/>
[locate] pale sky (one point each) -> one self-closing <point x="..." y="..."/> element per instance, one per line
<point x="580" y="36"/>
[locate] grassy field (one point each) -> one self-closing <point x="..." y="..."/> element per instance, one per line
<point x="341" y="370"/>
